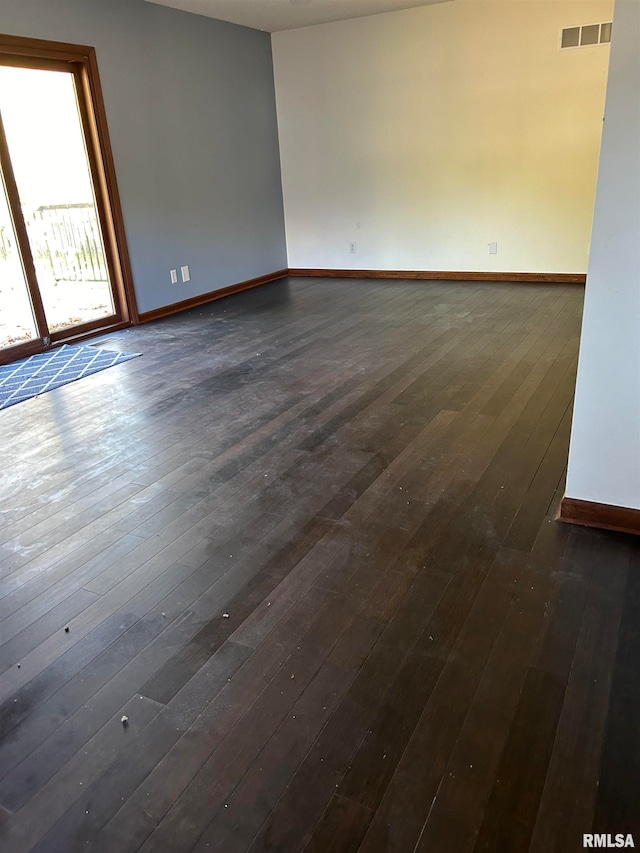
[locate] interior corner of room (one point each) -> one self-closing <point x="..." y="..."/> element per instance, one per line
<point x="455" y="139"/>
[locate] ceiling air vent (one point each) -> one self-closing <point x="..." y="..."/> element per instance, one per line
<point x="586" y="35"/>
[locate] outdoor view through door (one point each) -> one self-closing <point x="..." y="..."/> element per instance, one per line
<point x="61" y="273"/>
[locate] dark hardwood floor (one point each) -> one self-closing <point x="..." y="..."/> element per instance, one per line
<point x="307" y="545"/>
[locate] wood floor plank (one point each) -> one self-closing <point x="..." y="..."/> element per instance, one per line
<point x="618" y="800"/>
<point x="314" y="783"/>
<point x="571" y="787"/>
<point x="60" y="580"/>
<point x="513" y="804"/>
<point x="99" y="801"/>
<point x="353" y="483"/>
<point x="67" y="784"/>
<point x="389" y="735"/>
<point x="36" y="631"/>
<point x="240" y="748"/>
<point x="229" y="680"/>
<point x="439" y="804"/>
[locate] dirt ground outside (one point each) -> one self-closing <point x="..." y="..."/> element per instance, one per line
<point x="66" y="303"/>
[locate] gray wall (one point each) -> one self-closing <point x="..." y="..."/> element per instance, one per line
<point x="191" y="110"/>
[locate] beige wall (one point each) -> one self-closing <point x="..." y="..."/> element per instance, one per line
<point x="425" y="134"/>
<point x="604" y="462"/>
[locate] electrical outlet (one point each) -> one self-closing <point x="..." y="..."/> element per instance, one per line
<point x="186" y="275"/>
<point x="352" y="248"/>
<point x="174" y="276"/>
<point x="493" y="248"/>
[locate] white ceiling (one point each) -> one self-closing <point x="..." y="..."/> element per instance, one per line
<point x="275" y="15"/>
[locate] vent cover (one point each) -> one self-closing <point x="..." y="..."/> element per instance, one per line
<point x="586" y="35"/>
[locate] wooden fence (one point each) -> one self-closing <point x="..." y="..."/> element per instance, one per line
<point x="67" y="238"/>
<point x="64" y="238"/>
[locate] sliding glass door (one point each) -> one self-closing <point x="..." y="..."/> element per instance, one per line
<point x="60" y="267"/>
<point x="18" y="323"/>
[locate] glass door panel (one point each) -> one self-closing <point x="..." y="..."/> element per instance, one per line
<point x="49" y="158"/>
<point x="17" y="321"/>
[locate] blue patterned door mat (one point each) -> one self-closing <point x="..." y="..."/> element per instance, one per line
<point x="32" y="376"/>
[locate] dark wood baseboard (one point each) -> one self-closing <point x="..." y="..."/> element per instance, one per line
<point x="447" y="275"/>
<point x="591" y="514"/>
<point x="423" y="275"/>
<point x="212" y="295"/>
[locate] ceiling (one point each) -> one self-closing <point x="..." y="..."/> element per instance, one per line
<point x="275" y="15"/>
